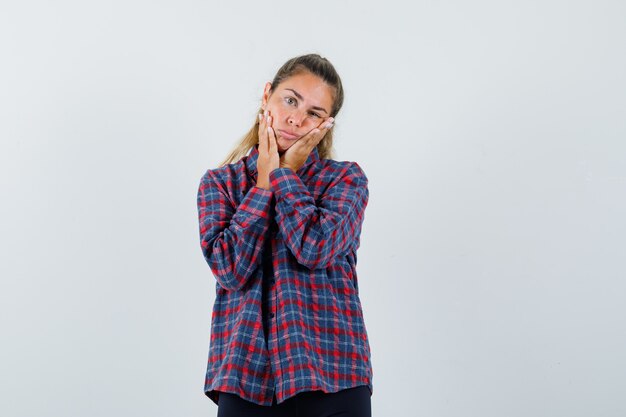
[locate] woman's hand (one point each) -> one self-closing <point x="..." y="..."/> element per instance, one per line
<point x="268" y="159"/>
<point x="297" y="154"/>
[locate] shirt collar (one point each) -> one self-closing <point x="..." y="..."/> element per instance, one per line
<point x="254" y="155"/>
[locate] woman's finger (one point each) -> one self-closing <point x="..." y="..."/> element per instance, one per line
<point x="318" y="133"/>
<point x="328" y="123"/>
<point x="268" y="127"/>
<point x="273" y="147"/>
<point x="262" y="132"/>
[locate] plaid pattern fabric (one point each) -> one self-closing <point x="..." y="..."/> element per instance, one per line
<point x="287" y="316"/>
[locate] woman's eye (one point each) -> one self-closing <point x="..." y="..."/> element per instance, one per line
<point x="291" y="100"/>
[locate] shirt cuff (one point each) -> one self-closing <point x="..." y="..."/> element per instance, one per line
<point x="285" y="180"/>
<point x="257" y="202"/>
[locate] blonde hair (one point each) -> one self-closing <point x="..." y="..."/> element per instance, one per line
<point x="316" y="65"/>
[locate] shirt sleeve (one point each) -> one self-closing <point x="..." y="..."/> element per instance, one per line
<point x="232" y="237"/>
<point x="318" y="232"/>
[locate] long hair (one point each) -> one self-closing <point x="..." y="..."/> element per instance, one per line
<point x="316" y="65"/>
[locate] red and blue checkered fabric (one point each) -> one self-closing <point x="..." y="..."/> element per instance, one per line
<point x="287" y="316"/>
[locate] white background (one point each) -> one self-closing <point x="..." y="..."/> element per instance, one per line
<point x="491" y="267"/>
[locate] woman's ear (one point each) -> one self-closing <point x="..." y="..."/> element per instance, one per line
<point x="266" y="94"/>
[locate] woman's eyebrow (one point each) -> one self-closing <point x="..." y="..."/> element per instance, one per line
<point x="300" y="97"/>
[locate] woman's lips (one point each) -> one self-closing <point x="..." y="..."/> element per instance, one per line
<point x="287" y="135"/>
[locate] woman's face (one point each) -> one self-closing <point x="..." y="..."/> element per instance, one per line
<point x="297" y="105"/>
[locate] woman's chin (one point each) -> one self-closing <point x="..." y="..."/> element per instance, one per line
<point x="282" y="148"/>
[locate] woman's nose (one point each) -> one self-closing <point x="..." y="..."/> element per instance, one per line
<point x="296" y="119"/>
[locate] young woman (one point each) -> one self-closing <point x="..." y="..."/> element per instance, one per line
<point x="279" y="228"/>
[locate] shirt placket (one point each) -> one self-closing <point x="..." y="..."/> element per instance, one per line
<point x="269" y="302"/>
<point x="269" y="284"/>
